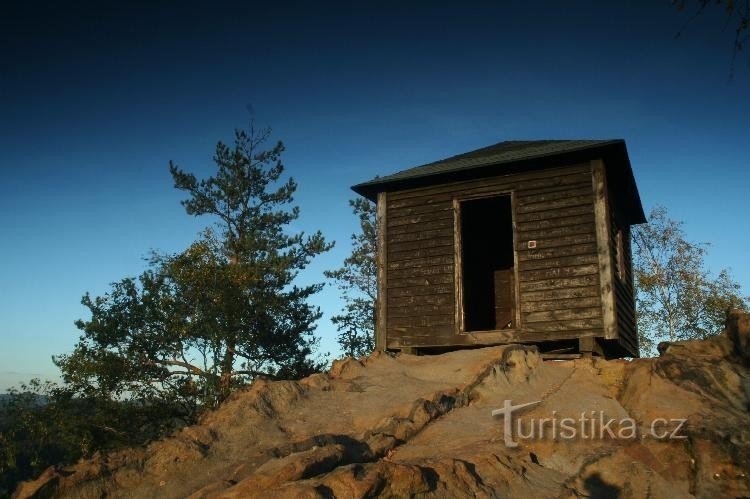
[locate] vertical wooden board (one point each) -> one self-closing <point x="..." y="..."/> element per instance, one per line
<point x="516" y="268"/>
<point x="382" y="302"/>
<point x="604" y="249"/>
<point x="457" y="267"/>
<point x="505" y="303"/>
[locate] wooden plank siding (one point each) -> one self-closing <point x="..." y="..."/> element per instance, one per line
<point x="624" y="285"/>
<point x="557" y="282"/>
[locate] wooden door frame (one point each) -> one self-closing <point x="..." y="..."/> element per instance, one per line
<point x="458" y="265"/>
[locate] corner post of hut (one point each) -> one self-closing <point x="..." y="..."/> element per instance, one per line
<point x="382" y="262"/>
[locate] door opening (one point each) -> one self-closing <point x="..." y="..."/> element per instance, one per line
<point x="487" y="264"/>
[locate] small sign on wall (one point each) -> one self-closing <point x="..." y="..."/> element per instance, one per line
<point x="531" y="244"/>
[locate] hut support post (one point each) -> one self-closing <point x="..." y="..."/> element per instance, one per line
<point x="382" y="261"/>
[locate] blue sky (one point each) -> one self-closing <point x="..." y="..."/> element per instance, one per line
<point x="95" y="100"/>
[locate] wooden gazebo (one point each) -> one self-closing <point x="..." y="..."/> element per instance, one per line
<point x="518" y="242"/>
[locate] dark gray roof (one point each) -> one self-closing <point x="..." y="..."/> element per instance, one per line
<point x="505" y="157"/>
<point x="509" y="151"/>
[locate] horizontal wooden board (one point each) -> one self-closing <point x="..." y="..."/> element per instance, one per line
<point x="431" y="280"/>
<point x="422" y="226"/>
<point x="419" y="235"/>
<point x="567" y="282"/>
<point x="405" y="255"/>
<point x="431" y="216"/>
<point x="423" y="321"/>
<point x="437" y="289"/>
<point x="420" y="310"/>
<point x="560" y="304"/>
<point x="557" y="272"/>
<point x="498" y="185"/>
<point x="557" y="252"/>
<point x="396" y="202"/>
<point x="420" y="209"/>
<point x="568" y="230"/>
<point x="442" y="336"/>
<point x="563" y="325"/>
<point x="565" y="261"/>
<point x="573" y="192"/>
<point x="555" y="184"/>
<point x="554" y="242"/>
<point x="395" y="247"/>
<point x="560" y="294"/>
<point x="420" y="271"/>
<point x="428" y="261"/>
<point x="552" y="223"/>
<point x="445" y="299"/>
<point x="554" y="213"/>
<point x="568" y="202"/>
<point x="561" y="315"/>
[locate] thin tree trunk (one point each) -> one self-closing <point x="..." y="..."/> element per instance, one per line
<point x="227" y="365"/>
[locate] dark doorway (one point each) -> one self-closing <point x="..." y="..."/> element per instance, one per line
<point x="489" y="288"/>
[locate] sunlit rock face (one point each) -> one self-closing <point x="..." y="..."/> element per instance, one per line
<point x="673" y="426"/>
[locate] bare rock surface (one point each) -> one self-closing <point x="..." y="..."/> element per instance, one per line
<point x="402" y="426"/>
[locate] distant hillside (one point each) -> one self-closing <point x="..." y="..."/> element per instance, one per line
<point x="405" y="426"/>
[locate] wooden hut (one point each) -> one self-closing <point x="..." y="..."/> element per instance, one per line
<point x="518" y="242"/>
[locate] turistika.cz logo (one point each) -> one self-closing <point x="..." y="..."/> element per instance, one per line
<point x="590" y="425"/>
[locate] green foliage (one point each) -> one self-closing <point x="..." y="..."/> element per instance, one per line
<point x="677" y="297"/>
<point x="357" y="281"/>
<point x="196" y="324"/>
<point x="42" y="424"/>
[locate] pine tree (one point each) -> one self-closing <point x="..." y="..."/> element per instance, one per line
<point x="222" y="312"/>
<point x="357" y="281"/>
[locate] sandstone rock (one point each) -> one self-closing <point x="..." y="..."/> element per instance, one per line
<point x="405" y="425"/>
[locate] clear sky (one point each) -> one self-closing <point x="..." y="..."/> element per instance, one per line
<point x="95" y="99"/>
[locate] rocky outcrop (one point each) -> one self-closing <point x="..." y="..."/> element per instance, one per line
<point x="401" y="426"/>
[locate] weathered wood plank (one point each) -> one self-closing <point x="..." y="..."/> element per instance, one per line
<point x="556" y="252"/>
<point x="437" y="289"/>
<point x="536" y="275"/>
<point x="554" y="196"/>
<point x="555" y="213"/>
<point x="421" y="262"/>
<point x="381" y="323"/>
<point x="420" y="310"/>
<point x="420" y="271"/>
<point x="540" y="179"/>
<point x="431" y="216"/>
<point x="421" y="321"/>
<point x="567" y="282"/>
<point x="561" y="304"/>
<point x="419" y="209"/>
<point x="431" y="299"/>
<point x="409" y="282"/>
<point x="572" y="181"/>
<point x="407" y="255"/>
<point x="421" y="227"/>
<point x="563" y="325"/>
<point x="604" y="249"/>
<point x="565" y="261"/>
<point x="518" y="297"/>
<point x="560" y="294"/>
<point x="554" y="242"/>
<point x="458" y="280"/>
<point x="420" y="235"/>
<point x="553" y="223"/>
<point x="444" y="338"/>
<point x="568" y="202"/>
<point x="567" y="230"/>
<point x="397" y="246"/>
<point x="561" y="315"/>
